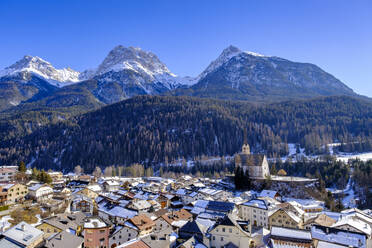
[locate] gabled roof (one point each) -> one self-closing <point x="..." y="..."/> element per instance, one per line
<point x="173" y="216"/>
<point x="134" y="244"/>
<point x="37" y="187"/>
<point x="119" y="211"/>
<point x="256" y="203"/>
<point x="141" y="204"/>
<point x="64" y="239"/>
<point x="191" y="227"/>
<point x="358" y="224"/>
<point x="142" y="221"/>
<point x="268" y="193"/>
<point x="226" y="221"/>
<point x="338" y="236"/>
<point x="230" y="220"/>
<point x="291" y="214"/>
<point x="252" y="159"/>
<point x="322" y="220"/>
<point x="287" y="234"/>
<point x="220" y="206"/>
<point x="192" y="243"/>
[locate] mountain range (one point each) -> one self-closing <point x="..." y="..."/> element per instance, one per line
<point x="132" y="108"/>
<point x="33" y="83"/>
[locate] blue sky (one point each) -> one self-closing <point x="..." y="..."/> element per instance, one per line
<point x="188" y="35"/>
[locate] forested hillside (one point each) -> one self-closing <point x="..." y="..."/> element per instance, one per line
<point x="153" y="129"/>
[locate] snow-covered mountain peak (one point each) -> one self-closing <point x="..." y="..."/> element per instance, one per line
<point x="225" y="56"/>
<point x="43" y="69"/>
<point x="131" y="58"/>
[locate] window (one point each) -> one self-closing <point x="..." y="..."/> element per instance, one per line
<point x="101" y="231"/>
<point x="214" y="237"/>
<point x="223" y="229"/>
<point x="221" y="238"/>
<point x="230" y="230"/>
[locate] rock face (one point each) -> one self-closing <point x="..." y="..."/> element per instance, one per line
<point x="127" y="72"/>
<point x="240" y="75"/>
<point x="31" y="79"/>
<point x="28" y="65"/>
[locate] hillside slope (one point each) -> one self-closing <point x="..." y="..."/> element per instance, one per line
<point x="154" y="129"/>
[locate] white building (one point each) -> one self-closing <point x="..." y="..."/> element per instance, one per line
<point x="256" y="211"/>
<point x="255" y="165"/>
<point x="229" y="232"/>
<point x="40" y="192"/>
<point x="7" y="174"/>
<point x="111" y="185"/>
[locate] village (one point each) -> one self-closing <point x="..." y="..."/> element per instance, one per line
<point x="81" y="210"/>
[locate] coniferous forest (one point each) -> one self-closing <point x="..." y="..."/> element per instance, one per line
<point x="154" y="129"/>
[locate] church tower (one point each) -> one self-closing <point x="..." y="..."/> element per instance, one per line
<point x="256" y="164"/>
<point x="245" y="148"/>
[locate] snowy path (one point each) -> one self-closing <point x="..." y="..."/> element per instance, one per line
<point x="348" y="200"/>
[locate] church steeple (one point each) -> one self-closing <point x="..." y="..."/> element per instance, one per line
<point x="245" y="148"/>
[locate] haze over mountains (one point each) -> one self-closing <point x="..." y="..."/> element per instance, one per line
<point x="129" y="71"/>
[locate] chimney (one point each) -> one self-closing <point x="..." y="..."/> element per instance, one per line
<point x="23" y="227"/>
<point x="60" y="237"/>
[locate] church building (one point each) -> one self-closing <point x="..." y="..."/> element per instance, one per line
<point x="256" y="164"/>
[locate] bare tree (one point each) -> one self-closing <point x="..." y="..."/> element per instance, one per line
<point x="97" y="172"/>
<point x="78" y="170"/>
<point x="108" y="171"/>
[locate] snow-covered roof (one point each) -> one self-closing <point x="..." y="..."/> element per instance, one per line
<point x="23" y="233"/>
<point x="181" y="192"/>
<point x="38" y="186"/>
<point x="141" y="204"/>
<point x="268" y="193"/>
<point x="112" y="183"/>
<point x="94" y="223"/>
<point x="94" y="187"/>
<point x="290" y="233"/>
<point x="7" y="186"/>
<point x="338" y="236"/>
<point x="257" y="203"/>
<point x="209" y="191"/>
<point x="121" y="212"/>
<point x="356" y="223"/>
<point x="179" y="223"/>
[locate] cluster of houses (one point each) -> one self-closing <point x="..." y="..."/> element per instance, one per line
<point x="84" y="211"/>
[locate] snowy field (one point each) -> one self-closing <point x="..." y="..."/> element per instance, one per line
<point x="362" y="156"/>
